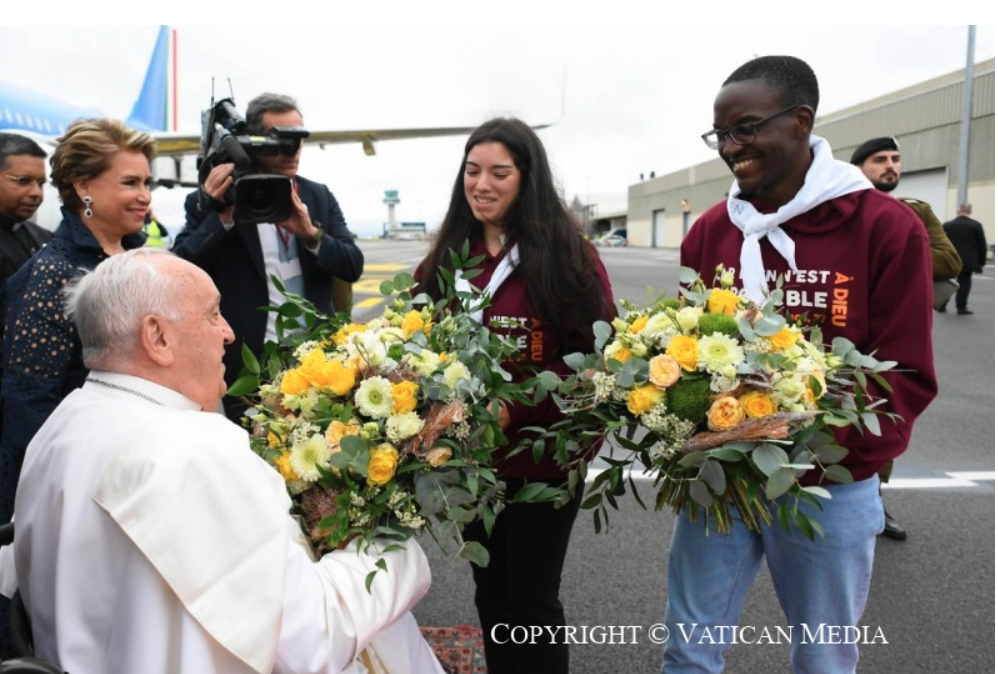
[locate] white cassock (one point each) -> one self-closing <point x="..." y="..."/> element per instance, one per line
<point x="149" y="538"/>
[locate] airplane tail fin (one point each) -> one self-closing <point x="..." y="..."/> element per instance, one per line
<point x="150" y="110"/>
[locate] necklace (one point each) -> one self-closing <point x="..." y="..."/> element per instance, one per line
<point x="125" y="389"/>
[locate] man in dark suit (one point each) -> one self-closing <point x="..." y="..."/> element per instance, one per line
<point x="305" y="252"/>
<point x="968" y="238"/>
<point x="22" y="175"/>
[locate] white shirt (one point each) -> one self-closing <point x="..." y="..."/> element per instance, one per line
<point x="151" y="539"/>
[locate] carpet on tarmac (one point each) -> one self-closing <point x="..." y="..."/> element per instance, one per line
<point x="459" y="648"/>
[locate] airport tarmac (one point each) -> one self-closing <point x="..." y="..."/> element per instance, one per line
<point x="932" y="597"/>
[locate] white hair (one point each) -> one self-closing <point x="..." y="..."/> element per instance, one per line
<point x="108" y="304"/>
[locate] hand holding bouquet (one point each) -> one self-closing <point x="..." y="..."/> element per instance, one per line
<point x="722" y="401"/>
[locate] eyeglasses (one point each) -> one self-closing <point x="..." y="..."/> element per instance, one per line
<point x="25" y="181"/>
<point x="741" y="134"/>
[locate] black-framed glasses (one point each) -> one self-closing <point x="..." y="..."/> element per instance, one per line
<point x="741" y="134"/>
<point x="25" y="181"/>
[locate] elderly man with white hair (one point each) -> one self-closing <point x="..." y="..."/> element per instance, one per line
<point x="150" y="539"/>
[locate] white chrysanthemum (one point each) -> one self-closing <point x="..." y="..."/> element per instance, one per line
<point x="688" y="317"/>
<point x="306" y="457"/>
<point x="454" y="373"/>
<point x="374" y="398"/>
<point x="425" y="362"/>
<point x="718" y="351"/>
<point x="367" y="346"/>
<point x="401" y="427"/>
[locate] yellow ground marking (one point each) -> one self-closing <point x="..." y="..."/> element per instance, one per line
<point x="369" y="302"/>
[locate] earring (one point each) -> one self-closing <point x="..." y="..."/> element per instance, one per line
<point x="88" y="212"/>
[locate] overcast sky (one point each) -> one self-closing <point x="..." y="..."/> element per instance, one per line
<point x="621" y="102"/>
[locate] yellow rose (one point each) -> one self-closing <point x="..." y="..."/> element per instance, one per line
<point x="643" y="398"/>
<point x="404" y="396"/>
<point x="312" y="367"/>
<point x="381" y="465"/>
<point x="273" y="440"/>
<point x="685" y="350"/>
<point x="783" y="339"/>
<point x="725" y="414"/>
<point x="283" y="465"/>
<point x="294" y="383"/>
<point x="722" y="301"/>
<point x="623" y="354"/>
<point x="339" y="378"/>
<point x="663" y="371"/>
<point x="757" y="404"/>
<point x="638" y="325"/>
<point x="412" y="323"/>
<point x="438" y="456"/>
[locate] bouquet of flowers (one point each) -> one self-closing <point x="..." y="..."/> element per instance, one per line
<point x="722" y="401"/>
<point x="384" y="429"/>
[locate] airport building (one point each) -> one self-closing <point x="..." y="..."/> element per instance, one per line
<point x="925" y="120"/>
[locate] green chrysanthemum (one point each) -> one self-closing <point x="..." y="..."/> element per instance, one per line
<point x="718" y="351"/>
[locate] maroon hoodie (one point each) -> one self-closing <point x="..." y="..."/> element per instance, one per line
<point x="864" y="273"/>
<point x="540" y="348"/>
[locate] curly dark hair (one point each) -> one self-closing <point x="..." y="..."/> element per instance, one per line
<point x="564" y="284"/>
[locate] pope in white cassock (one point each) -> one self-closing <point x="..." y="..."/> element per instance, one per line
<point x="149" y="539"/>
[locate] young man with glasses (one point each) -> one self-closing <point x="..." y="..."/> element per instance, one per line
<point x="305" y="251"/>
<point x="855" y="262"/>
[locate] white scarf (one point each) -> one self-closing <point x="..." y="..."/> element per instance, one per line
<point x="502" y="272"/>
<point x="826" y="179"/>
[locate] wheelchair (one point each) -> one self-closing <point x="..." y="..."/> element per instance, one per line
<point x="23" y="661"/>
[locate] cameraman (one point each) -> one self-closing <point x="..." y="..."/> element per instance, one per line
<point x="305" y="251"/>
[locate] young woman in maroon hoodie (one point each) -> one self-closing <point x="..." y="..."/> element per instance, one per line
<point x="549" y="283"/>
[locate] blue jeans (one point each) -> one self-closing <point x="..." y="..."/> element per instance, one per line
<point x="821" y="581"/>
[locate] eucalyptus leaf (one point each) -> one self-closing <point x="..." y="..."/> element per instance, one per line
<point x="688" y="276"/>
<point x="779" y="483"/>
<point x="475" y="553"/>
<point x="818" y="491"/>
<point x="837" y="473"/>
<point x="713" y="474"/>
<point x="872" y="422"/>
<point x="829" y="454"/>
<point x="601" y="331"/>
<point x="768" y="458"/>
<point x="700" y="494"/>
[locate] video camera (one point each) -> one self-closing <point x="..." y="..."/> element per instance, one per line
<point x="255" y="197"/>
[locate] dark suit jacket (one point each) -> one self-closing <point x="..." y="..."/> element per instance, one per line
<point x="234" y="260"/>
<point x="968" y="238"/>
<point x="15" y="237"/>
